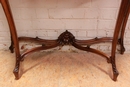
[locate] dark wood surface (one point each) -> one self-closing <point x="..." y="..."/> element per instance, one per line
<point x="67" y="38"/>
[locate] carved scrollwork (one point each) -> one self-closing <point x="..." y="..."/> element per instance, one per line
<point x="66" y="38"/>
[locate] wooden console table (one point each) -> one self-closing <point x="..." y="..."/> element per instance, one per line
<point x="67" y="38"/>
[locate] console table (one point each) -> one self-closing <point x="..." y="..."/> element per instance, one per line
<point x="67" y="38"/>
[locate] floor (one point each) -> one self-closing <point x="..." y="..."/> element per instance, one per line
<point x="64" y="69"/>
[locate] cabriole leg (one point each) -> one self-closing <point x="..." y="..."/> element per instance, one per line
<point x="13" y="32"/>
<point x="124" y="22"/>
<point x="119" y="28"/>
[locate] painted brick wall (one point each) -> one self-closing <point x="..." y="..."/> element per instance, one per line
<point x="49" y="18"/>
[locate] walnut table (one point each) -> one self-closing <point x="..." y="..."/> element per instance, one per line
<point x="67" y="38"/>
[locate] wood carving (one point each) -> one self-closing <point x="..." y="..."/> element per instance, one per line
<point x="66" y="38"/>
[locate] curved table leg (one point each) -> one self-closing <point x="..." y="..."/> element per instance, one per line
<point x="120" y="21"/>
<point x="7" y="10"/>
<point x="121" y="39"/>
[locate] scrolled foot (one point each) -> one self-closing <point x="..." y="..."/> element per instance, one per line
<point x="122" y="50"/>
<point x="11" y="48"/>
<point x="115" y="71"/>
<point x="16" y="72"/>
<point x="115" y="74"/>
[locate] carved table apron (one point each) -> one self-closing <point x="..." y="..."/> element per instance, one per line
<point x="66" y="38"/>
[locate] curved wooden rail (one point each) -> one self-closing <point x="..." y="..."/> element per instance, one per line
<point x="37" y="49"/>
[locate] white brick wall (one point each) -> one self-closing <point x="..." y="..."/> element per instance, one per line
<point x="49" y="18"/>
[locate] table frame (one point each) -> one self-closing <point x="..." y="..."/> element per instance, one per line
<point x="67" y="38"/>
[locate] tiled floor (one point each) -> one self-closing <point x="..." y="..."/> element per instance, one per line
<point x="64" y="69"/>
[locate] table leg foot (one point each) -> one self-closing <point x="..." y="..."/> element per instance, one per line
<point x="115" y="75"/>
<point x="11" y="48"/>
<point x="16" y="70"/>
<point x="122" y="48"/>
<point x="115" y="71"/>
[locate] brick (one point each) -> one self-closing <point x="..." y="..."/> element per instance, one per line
<point x="127" y="35"/>
<point x="30" y="13"/>
<point x="80" y="24"/>
<point x="2" y="15"/>
<point x="48" y="3"/>
<point x="105" y="3"/>
<point x="107" y="13"/>
<point x="16" y="3"/>
<point x="42" y="33"/>
<point x="32" y="3"/>
<point x="127" y="41"/>
<point x="84" y="3"/>
<point x="106" y="24"/>
<point x="42" y="13"/>
<point x="37" y="3"/>
<point x="23" y="24"/>
<point x="67" y="13"/>
<point x="92" y="13"/>
<point x="1" y="26"/>
<point x="4" y="34"/>
<point x="73" y="3"/>
<point x="48" y="24"/>
<point x="110" y="33"/>
<point x="32" y="33"/>
<point x="52" y="33"/>
<point x="22" y="33"/>
<point x="4" y="26"/>
<point x="17" y="14"/>
<point x="5" y="39"/>
<point x="92" y="33"/>
<point x="128" y="25"/>
<point x="101" y="33"/>
<point x="82" y="33"/>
